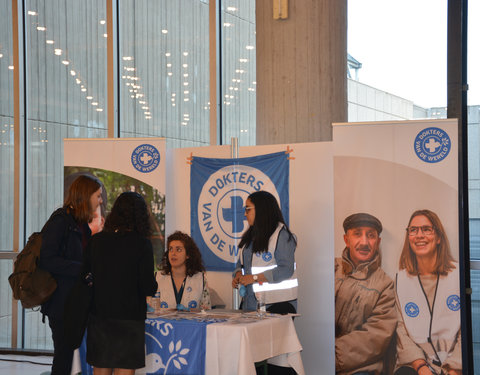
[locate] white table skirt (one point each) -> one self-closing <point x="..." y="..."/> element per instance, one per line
<point x="233" y="347"/>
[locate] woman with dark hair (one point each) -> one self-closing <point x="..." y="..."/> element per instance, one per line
<point x="64" y="238"/>
<point x="182" y="283"/>
<point x="266" y="265"/>
<point x="120" y="259"/>
<point x="428" y="300"/>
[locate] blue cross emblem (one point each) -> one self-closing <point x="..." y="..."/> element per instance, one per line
<point x="412" y="310"/>
<point x="453" y="302"/>
<point x="432" y="145"/>
<point x="235" y="214"/>
<point x="145" y="158"/>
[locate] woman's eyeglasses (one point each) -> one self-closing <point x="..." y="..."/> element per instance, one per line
<point x="248" y="208"/>
<point x="426" y="230"/>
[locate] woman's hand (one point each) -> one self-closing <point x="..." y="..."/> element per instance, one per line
<point x="425" y="370"/>
<point x="246" y="280"/>
<point x="236" y="279"/>
<point x="420" y="365"/>
<point x="454" y="372"/>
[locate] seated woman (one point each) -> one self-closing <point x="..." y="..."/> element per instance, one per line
<point x="182" y="283"/>
<point x="428" y="300"/>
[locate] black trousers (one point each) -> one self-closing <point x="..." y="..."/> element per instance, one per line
<point x="62" y="352"/>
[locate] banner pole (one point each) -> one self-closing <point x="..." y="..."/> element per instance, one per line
<point x="235" y="293"/>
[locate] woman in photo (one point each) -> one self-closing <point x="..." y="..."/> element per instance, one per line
<point x="64" y="238"/>
<point x="428" y="300"/>
<point x="120" y="259"/>
<point x="182" y="283"/>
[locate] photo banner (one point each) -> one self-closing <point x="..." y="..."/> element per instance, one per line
<point x="123" y="164"/>
<point x="391" y="170"/>
<point x="218" y="191"/>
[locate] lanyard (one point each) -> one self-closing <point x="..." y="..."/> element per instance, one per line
<point x="179" y="294"/>
<point x="435" y="361"/>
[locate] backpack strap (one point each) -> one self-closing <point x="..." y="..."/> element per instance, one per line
<point x="68" y="229"/>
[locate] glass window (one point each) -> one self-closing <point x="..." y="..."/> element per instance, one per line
<point x="66" y="83"/>
<point x="6" y="168"/>
<point x="475" y="282"/>
<point x="238" y="88"/>
<point x="6" y="268"/>
<point x="6" y="127"/>
<point x="473" y="94"/>
<point x="164" y="71"/>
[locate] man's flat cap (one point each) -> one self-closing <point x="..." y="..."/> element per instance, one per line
<point x="362" y="220"/>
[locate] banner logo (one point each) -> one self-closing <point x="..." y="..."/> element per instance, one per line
<point x="158" y="357"/>
<point x="218" y="191"/>
<point x="412" y="310"/>
<point x="432" y="145"/>
<point x="145" y="158"/>
<point x="221" y="207"/>
<point x="453" y="302"/>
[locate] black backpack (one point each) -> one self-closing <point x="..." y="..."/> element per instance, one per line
<point x="30" y="284"/>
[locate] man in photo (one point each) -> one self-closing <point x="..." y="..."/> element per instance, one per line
<point x="365" y="317"/>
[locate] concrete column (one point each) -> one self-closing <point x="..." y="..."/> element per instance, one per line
<point x="301" y="71"/>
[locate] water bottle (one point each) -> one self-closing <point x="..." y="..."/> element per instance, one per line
<point x="261" y="306"/>
<point x="156" y="302"/>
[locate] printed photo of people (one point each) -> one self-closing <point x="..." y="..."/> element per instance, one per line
<point x="401" y="326"/>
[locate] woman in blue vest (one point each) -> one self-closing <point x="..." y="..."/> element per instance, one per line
<point x="428" y="300"/>
<point x="182" y="283"/>
<point x="266" y="265"/>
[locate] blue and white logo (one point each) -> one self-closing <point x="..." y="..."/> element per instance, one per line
<point x="218" y="191"/>
<point x="412" y="310"/>
<point x="221" y="207"/>
<point x="145" y="158"/>
<point x="192" y="304"/>
<point x="432" y="145"/>
<point x="453" y="302"/>
<point x="267" y="256"/>
<point x="164" y="348"/>
<point x="164" y="305"/>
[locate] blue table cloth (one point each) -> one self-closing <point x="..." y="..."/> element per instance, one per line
<point x="172" y="347"/>
<point x="175" y="346"/>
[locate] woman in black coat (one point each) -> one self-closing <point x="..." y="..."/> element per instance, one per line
<point x="64" y="238"/>
<point x="120" y="259"/>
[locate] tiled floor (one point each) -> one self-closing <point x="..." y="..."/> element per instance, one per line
<point x="24" y="365"/>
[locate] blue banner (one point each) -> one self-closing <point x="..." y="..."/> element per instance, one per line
<point x="219" y="188"/>
<point x="175" y="346"/>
